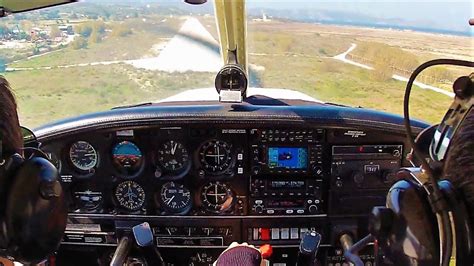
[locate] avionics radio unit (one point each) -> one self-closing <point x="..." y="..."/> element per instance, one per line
<point x="280" y="196"/>
<point x="364" y="166"/>
<point x="285" y="152"/>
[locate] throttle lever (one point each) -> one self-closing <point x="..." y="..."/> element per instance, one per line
<point x="308" y="249"/>
<point x="144" y="239"/>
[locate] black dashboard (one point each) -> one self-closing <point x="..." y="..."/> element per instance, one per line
<point x="206" y="175"/>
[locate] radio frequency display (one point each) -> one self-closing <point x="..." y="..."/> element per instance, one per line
<point x="287" y="158"/>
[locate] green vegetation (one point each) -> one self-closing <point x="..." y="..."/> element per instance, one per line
<point x="79" y="43"/>
<point x="121" y="31"/>
<point x="288" y="42"/>
<point x="112" y="47"/>
<point x="388" y="60"/>
<point x="293" y="59"/>
<point x="332" y="81"/>
<point x="44" y="97"/>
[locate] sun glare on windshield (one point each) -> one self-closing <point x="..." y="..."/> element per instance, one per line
<point x="96" y="55"/>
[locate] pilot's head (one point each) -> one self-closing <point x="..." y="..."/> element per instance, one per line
<point x="10" y="131"/>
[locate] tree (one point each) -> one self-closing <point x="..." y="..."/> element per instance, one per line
<point x="4" y="30"/>
<point x="55" y="32"/>
<point x="26" y="25"/>
<point x="52" y="14"/>
<point x="98" y="26"/>
<point x="3" y="64"/>
<point x="84" y="30"/>
<point x="79" y="43"/>
<point x="95" y="37"/>
<point x="98" y="31"/>
<point x="121" y="31"/>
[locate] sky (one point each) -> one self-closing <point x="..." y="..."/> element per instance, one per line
<point x="450" y="15"/>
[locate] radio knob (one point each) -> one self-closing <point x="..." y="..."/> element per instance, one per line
<point x="256" y="170"/>
<point x="259" y="209"/>
<point x="313" y="209"/>
<point x="317" y="170"/>
<point x="396" y="153"/>
<point x="358" y="178"/>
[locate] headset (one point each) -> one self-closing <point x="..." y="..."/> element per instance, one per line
<point x="33" y="211"/>
<point x="430" y="209"/>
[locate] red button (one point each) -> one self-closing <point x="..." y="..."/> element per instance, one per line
<point x="266" y="250"/>
<point x="264" y="234"/>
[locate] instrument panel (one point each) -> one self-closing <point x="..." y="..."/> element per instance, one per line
<point x="164" y="171"/>
<point x="205" y="187"/>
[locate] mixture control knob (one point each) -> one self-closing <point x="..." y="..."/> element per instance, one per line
<point x="259" y="209"/>
<point x="358" y="178"/>
<point x="313" y="209"/>
<point x="389" y="176"/>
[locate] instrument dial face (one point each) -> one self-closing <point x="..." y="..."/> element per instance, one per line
<point x="127" y="158"/>
<point x="130" y="195"/>
<point x="175" y="198"/>
<point x="88" y="200"/>
<point x="215" y="156"/>
<point x="83" y="156"/>
<point x="217" y="197"/>
<point x="231" y="77"/>
<point x="173" y="156"/>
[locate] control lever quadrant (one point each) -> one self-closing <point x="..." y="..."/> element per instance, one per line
<point x="308" y="249"/>
<point x="143" y="235"/>
<point x="144" y="239"/>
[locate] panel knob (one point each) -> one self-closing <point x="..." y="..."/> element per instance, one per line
<point x="259" y="209"/>
<point x="313" y="209"/>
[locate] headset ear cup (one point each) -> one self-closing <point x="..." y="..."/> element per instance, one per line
<point x="7" y="172"/>
<point x="35" y="220"/>
<point x="459" y="166"/>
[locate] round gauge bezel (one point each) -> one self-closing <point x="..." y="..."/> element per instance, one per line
<point x="173" y="174"/>
<point x="208" y="168"/>
<point x="226" y="70"/>
<point x="165" y="207"/>
<point x="55" y="159"/>
<point x="124" y="207"/>
<point x="198" y="257"/>
<point x="217" y="208"/>
<point x="83" y="171"/>
<point x="139" y="170"/>
<point x="78" y="206"/>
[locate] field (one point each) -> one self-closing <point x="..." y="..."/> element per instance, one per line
<point x="293" y="55"/>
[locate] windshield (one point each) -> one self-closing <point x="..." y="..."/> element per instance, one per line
<point x="95" y="55"/>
